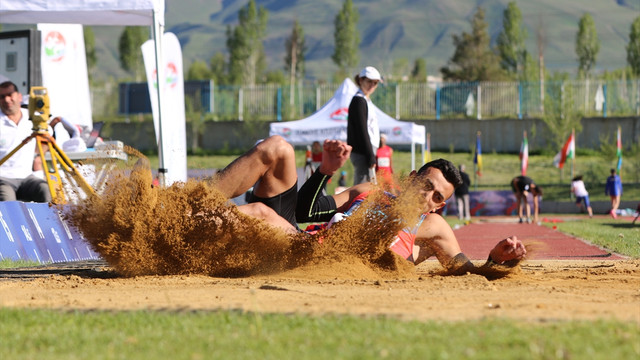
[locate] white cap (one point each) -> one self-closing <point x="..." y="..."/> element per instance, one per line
<point x="371" y="73"/>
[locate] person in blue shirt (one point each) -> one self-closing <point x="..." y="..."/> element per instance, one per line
<point x="614" y="190"/>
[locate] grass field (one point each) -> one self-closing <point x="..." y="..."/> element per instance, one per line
<point x="497" y="172"/>
<point x="54" y="334"/>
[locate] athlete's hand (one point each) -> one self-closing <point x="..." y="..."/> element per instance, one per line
<point x="334" y="154"/>
<point x="508" y="249"/>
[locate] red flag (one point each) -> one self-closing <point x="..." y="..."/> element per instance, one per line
<point x="568" y="152"/>
<point x="524" y="155"/>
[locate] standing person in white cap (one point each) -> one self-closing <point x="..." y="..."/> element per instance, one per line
<point x="363" y="132"/>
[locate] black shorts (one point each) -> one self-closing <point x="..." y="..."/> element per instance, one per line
<point x="521" y="184"/>
<point x="284" y="204"/>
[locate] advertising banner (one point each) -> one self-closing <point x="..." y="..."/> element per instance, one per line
<point x="174" y="134"/>
<point x="64" y="72"/>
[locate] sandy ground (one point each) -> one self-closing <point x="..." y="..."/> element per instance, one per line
<point x="190" y="229"/>
<point x="541" y="291"/>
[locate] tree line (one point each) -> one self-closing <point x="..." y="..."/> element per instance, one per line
<point x="474" y="57"/>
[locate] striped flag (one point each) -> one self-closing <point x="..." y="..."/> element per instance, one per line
<point x="568" y="152"/>
<point x="619" y="151"/>
<point x="477" y="159"/>
<point x="524" y="155"/>
<point x="427" y="149"/>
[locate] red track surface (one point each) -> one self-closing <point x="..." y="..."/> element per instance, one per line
<point x="478" y="238"/>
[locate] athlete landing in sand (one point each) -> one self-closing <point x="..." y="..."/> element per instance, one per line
<point x="270" y="168"/>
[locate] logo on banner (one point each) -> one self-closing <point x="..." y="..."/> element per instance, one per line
<point x="397" y="131"/>
<point x="170" y="76"/>
<point x="286" y="132"/>
<point x="55" y="46"/>
<point x="340" y="115"/>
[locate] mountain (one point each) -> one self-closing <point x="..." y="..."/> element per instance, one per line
<point x="389" y="29"/>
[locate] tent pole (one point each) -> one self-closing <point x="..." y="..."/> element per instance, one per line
<point x="413" y="156"/>
<point x="158" y="29"/>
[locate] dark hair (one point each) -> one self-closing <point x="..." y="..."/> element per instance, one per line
<point x="357" y="79"/>
<point x="579" y="177"/>
<point x="6" y="84"/>
<point x="613" y="171"/>
<point x="537" y="189"/>
<point x="449" y="171"/>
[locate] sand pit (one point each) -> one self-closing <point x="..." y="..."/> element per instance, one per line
<point x="185" y="248"/>
<point x="542" y="291"/>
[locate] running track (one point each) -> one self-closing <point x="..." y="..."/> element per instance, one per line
<point x="478" y="238"/>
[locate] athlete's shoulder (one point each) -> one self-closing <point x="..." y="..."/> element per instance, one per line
<point x="434" y="225"/>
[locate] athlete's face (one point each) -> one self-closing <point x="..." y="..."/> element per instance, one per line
<point x="435" y="189"/>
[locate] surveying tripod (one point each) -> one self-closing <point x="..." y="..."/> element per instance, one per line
<point x="38" y="114"/>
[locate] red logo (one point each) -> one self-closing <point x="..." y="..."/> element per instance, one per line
<point x="340" y="115"/>
<point x="54" y="46"/>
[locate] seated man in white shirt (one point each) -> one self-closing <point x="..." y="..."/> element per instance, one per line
<point x="17" y="181"/>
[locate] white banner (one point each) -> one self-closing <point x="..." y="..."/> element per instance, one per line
<point x="174" y="133"/>
<point x="64" y="72"/>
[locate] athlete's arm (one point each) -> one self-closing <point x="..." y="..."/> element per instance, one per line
<point x="312" y="206"/>
<point x="435" y="237"/>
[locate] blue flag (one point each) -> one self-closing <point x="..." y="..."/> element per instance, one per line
<point x="477" y="159"/>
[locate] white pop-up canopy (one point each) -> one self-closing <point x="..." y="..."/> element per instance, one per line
<point x="330" y="122"/>
<point x="87" y="12"/>
<point x="97" y="12"/>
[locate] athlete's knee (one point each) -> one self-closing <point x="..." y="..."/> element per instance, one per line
<point x="258" y="210"/>
<point x="275" y="148"/>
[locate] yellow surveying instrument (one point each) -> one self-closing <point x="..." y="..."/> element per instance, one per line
<point x="39" y="114"/>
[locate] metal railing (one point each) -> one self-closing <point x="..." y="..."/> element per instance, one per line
<point x="427" y="100"/>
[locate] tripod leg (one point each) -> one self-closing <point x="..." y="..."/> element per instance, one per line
<point x="69" y="167"/>
<point x="53" y="178"/>
<point x="23" y="143"/>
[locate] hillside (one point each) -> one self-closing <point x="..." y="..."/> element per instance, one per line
<point x="389" y="29"/>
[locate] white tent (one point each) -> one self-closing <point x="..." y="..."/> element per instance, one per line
<point x="96" y="12"/>
<point x="330" y="122"/>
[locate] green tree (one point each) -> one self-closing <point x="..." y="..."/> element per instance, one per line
<point x="560" y="114"/>
<point x="473" y="59"/>
<point x="294" y="58"/>
<point x="90" y="48"/>
<point x="129" y="48"/>
<point x="294" y="61"/>
<point x="400" y="69"/>
<point x="587" y="45"/>
<point x="199" y="71"/>
<point x="419" y="70"/>
<point x="346" y="38"/>
<point x="218" y="67"/>
<point x="530" y="69"/>
<point x="274" y="77"/>
<point x="247" y="60"/>
<point x="511" y="42"/>
<point x="633" y="47"/>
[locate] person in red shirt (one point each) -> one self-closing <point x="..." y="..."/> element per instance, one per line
<point x="384" y="165"/>
<point x="316" y="154"/>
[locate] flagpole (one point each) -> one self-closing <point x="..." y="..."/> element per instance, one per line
<point x="476" y="163"/>
<point x="573" y="159"/>
<point x="524" y="154"/>
<point x="619" y="152"/>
